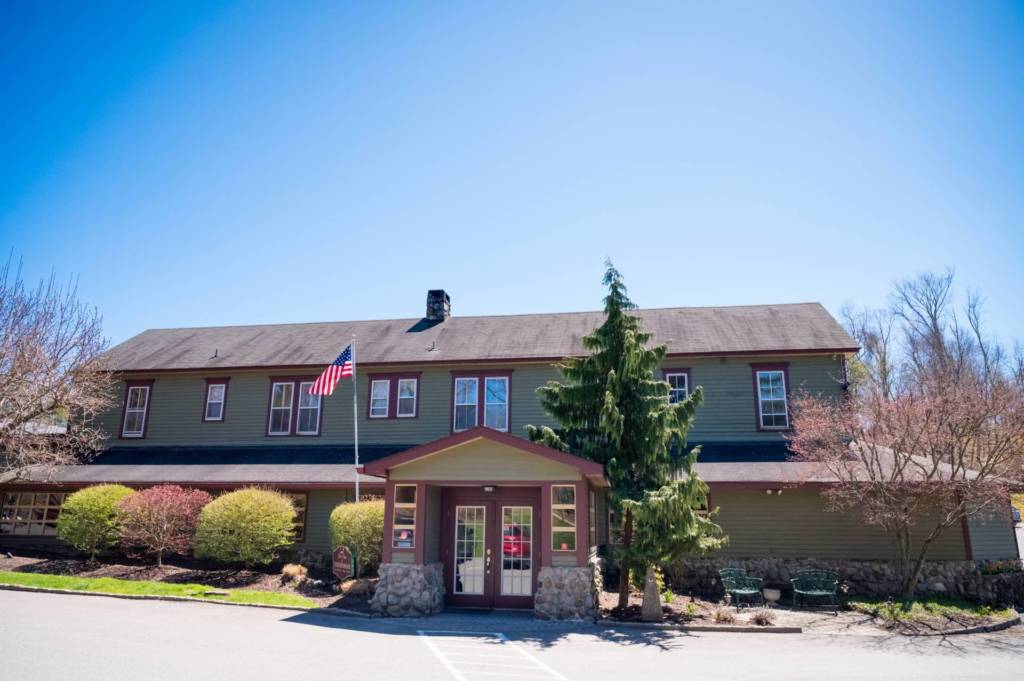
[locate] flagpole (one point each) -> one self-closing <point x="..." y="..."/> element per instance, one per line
<point x="355" y="414"/>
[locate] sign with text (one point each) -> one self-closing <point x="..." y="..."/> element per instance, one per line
<point x="341" y="563"/>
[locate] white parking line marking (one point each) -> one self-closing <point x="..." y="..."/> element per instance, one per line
<point x="504" y="658"/>
<point x="444" y="660"/>
<point x="529" y="656"/>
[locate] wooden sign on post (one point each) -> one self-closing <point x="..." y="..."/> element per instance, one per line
<point x="341" y="563"/>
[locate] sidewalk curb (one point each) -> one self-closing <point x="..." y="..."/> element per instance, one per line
<point x="611" y="624"/>
<point x="340" y="612"/>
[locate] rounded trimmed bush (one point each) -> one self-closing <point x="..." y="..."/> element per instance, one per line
<point x="247" y="526"/>
<point x="88" y="518"/>
<point x="359" y="526"/>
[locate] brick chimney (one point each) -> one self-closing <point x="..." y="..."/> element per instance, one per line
<point x="439" y="305"/>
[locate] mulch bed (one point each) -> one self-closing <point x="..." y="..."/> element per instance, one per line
<point x="682" y="610"/>
<point x="354" y="594"/>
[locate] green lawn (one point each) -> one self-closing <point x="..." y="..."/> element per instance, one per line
<point x="909" y="611"/>
<point x="109" y="585"/>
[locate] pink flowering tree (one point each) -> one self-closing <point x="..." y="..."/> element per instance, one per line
<point x="161" y="519"/>
<point x="931" y="432"/>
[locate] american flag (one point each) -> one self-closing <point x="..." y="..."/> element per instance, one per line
<point x="324" y="384"/>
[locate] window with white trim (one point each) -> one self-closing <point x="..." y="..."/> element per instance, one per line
<point x="496" y="402"/>
<point x="309" y="411"/>
<point x="563" y="517"/>
<point x="216" y="394"/>
<point x="403" y="519"/>
<point x="281" y="397"/>
<point x="136" y="402"/>
<point x="679" y="386"/>
<point x="407" y="393"/>
<point x="380" y="391"/>
<point x="772" y="409"/>
<point x="466" y="396"/>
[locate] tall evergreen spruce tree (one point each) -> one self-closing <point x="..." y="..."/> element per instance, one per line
<point x="613" y="410"/>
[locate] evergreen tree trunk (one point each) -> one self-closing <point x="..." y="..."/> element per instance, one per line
<point x="627" y="541"/>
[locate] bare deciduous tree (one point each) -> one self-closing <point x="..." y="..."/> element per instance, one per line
<point x="52" y="381"/>
<point x="932" y="434"/>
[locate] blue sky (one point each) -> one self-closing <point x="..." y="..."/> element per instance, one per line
<point x="231" y="163"/>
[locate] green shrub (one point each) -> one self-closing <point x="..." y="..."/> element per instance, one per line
<point x="248" y="526"/>
<point x="359" y="526"/>
<point x="88" y="518"/>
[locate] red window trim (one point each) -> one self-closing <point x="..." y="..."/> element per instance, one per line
<point x="480" y="375"/>
<point x="393" y="379"/>
<point x="293" y="425"/>
<point x="128" y="385"/>
<point x="667" y="371"/>
<point x="206" y="400"/>
<point x="776" y="366"/>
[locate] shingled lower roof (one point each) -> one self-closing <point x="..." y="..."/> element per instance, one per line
<point x="802" y="327"/>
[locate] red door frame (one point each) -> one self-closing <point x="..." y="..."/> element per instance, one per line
<point x="492" y="502"/>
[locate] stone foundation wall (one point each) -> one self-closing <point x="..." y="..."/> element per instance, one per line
<point x="870" y="579"/>
<point x="568" y="593"/>
<point x="409" y="590"/>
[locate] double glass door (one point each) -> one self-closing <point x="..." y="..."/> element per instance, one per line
<point x="491" y="556"/>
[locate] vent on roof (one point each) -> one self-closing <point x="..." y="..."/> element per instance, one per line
<point x="439" y="305"/>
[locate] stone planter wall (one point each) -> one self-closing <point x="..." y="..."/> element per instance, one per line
<point x="870" y="579"/>
<point x="568" y="593"/>
<point x="409" y="590"/>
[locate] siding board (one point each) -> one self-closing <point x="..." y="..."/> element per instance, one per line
<point x="177" y="400"/>
<point x="318" y="513"/>
<point x="992" y="537"/>
<point x="796" y="525"/>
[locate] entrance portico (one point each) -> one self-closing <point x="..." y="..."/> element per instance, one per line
<point x="484" y="513"/>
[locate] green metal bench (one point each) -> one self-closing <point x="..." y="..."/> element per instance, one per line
<point x="738" y="584"/>
<point x="816" y="585"/>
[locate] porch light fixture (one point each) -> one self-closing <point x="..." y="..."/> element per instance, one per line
<point x="488" y="488"/>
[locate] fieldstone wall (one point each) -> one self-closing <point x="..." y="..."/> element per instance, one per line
<point x="409" y="590"/>
<point x="568" y="593"/>
<point x="871" y="579"/>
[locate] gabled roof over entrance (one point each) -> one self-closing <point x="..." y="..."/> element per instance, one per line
<point x="482" y="454"/>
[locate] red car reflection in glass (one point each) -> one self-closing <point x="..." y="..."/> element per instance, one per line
<point x="513" y="544"/>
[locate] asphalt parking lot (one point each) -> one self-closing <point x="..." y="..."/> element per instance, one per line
<point x="44" y="636"/>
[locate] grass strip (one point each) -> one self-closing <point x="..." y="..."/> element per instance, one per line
<point x="921" y="609"/>
<point x="109" y="585"/>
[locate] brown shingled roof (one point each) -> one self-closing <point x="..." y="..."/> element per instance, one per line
<point x="801" y="327"/>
